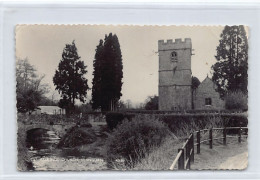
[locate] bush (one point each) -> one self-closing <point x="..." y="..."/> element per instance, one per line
<point x="236" y="101"/>
<point x="132" y="139"/>
<point x="76" y="136"/>
<point x="115" y="118"/>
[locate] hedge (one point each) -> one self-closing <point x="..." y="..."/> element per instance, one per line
<point x="177" y="121"/>
<point x="115" y="118"/>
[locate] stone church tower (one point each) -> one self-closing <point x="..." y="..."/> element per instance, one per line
<point x="175" y="74"/>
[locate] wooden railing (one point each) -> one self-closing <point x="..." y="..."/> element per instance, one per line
<point x="185" y="154"/>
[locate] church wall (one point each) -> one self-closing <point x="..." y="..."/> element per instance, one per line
<point x="175" y="98"/>
<point x="207" y="90"/>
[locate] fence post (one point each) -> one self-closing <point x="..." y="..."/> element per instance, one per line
<point x="225" y="136"/>
<point x="192" y="147"/>
<point x="181" y="159"/>
<point x="188" y="154"/>
<point x="210" y="139"/>
<point x="239" y="133"/>
<point x="198" y="142"/>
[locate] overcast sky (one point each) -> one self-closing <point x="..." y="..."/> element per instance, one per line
<point x="43" y="46"/>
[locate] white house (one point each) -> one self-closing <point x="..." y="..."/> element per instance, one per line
<point x="49" y="110"/>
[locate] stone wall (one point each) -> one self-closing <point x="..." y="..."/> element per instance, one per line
<point x="175" y="98"/>
<point x="207" y="90"/>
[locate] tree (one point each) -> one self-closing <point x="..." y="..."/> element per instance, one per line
<point x="129" y="104"/>
<point x="96" y="81"/>
<point x="195" y="82"/>
<point x="108" y="74"/>
<point x="230" y="70"/>
<point x="69" y="78"/>
<point x="152" y="103"/>
<point x="29" y="87"/>
<point x="121" y="105"/>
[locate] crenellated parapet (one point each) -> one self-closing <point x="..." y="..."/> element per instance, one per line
<point x="177" y="44"/>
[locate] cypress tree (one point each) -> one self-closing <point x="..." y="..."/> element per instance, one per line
<point x="108" y="74"/>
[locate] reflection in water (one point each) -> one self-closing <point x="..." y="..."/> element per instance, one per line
<point x="42" y="143"/>
<point x="41" y="139"/>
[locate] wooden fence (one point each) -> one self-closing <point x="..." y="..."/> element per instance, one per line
<point x="185" y="154"/>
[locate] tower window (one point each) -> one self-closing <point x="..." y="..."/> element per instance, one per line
<point x="174" y="56"/>
<point x="208" y="101"/>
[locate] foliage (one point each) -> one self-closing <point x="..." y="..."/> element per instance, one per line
<point x="160" y="158"/>
<point x="47" y="102"/>
<point x="77" y="136"/>
<point x="230" y="70"/>
<point x="236" y="101"/>
<point x="132" y="139"/>
<point x="69" y="78"/>
<point x="115" y="118"/>
<point x="195" y="82"/>
<point x="182" y="125"/>
<point x="108" y="74"/>
<point x="83" y="108"/>
<point x="152" y="103"/>
<point x="29" y="87"/>
<point x="121" y="105"/>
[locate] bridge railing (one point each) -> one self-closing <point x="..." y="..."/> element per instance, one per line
<point x="185" y="154"/>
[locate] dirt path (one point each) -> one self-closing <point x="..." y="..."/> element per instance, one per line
<point x="232" y="156"/>
<point x="236" y="162"/>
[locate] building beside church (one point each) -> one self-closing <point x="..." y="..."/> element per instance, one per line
<point x="175" y="79"/>
<point x="206" y="97"/>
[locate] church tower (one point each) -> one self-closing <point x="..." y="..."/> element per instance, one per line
<point x="175" y="74"/>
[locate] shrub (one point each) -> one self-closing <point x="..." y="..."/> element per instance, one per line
<point x="76" y="136"/>
<point x="132" y="139"/>
<point x="236" y="101"/>
<point x="115" y="118"/>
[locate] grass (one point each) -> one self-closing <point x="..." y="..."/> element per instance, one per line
<point x="162" y="157"/>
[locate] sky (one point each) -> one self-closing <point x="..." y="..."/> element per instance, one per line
<point x="43" y="46"/>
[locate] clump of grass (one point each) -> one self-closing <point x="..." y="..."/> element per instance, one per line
<point x="158" y="158"/>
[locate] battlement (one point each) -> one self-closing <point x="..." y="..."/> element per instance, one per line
<point x="177" y="41"/>
<point x="178" y="44"/>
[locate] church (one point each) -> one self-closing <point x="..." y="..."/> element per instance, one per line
<point x="175" y="80"/>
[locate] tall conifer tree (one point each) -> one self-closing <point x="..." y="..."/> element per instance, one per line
<point x="230" y="70"/>
<point x="69" y="78"/>
<point x="108" y="74"/>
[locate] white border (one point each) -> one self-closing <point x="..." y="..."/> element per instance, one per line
<point x="139" y="13"/>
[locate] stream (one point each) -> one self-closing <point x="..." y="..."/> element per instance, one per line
<point x="42" y="144"/>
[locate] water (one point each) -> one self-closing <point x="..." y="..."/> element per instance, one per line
<point x="42" y="144"/>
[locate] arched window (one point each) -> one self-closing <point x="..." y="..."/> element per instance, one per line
<point x="174" y="56"/>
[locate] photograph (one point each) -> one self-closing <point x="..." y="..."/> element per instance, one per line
<point x="131" y="97"/>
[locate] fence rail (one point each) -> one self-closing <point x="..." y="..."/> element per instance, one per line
<point x="185" y="154"/>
